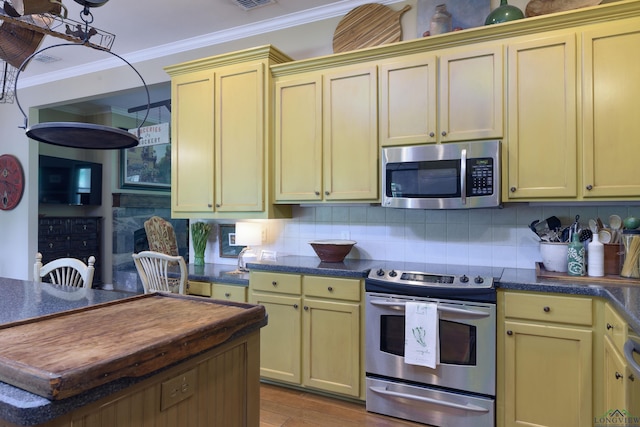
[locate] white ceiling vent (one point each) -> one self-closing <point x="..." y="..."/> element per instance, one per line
<point x="46" y="59"/>
<point x="252" y="4"/>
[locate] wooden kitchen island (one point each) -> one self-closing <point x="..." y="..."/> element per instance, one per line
<point x="99" y="358"/>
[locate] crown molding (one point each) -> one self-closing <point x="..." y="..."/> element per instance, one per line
<point x="287" y="21"/>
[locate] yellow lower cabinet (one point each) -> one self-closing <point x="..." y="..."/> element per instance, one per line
<point x="313" y="338"/>
<point x="280" y="340"/>
<point x="331" y="346"/>
<point x="548" y="375"/>
<point x="545" y="360"/>
<point x="617" y="381"/>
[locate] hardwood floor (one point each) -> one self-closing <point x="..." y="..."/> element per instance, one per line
<point x="284" y="407"/>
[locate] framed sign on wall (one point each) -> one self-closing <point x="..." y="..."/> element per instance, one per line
<point x="148" y="166"/>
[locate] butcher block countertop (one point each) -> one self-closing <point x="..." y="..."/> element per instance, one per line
<point x="61" y="349"/>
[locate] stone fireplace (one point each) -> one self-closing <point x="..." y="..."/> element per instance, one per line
<point x="130" y="211"/>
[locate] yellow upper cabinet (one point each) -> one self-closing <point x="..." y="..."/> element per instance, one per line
<point x="471" y="93"/>
<point x="192" y="143"/>
<point x="442" y="96"/>
<point x="326" y="146"/>
<point x="611" y="105"/>
<point x="408" y="100"/>
<point x="542" y="110"/>
<point x="221" y="136"/>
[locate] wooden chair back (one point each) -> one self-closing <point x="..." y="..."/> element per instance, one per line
<point x="65" y="271"/>
<point x="158" y="272"/>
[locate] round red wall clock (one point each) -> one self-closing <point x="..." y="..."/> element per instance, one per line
<point x="11" y="182"/>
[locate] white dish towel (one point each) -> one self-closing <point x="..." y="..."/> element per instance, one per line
<point x="421" y="346"/>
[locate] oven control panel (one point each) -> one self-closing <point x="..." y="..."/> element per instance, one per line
<point x="415" y="278"/>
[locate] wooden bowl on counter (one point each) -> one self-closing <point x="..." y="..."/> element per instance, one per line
<point x="332" y="250"/>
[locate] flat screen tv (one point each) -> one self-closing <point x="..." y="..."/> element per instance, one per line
<point x="69" y="182"/>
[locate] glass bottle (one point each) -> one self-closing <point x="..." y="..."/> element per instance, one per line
<point x="575" y="256"/>
<point x="503" y="13"/>
<point x="440" y="21"/>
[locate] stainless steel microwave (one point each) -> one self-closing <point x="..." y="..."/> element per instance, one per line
<point x="442" y="176"/>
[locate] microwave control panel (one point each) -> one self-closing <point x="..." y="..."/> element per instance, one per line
<point x="480" y="177"/>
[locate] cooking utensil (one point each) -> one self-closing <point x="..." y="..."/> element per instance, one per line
<point x="604" y="236"/>
<point x="368" y="25"/>
<point x="585" y="235"/>
<point x="615" y="224"/>
<point x="593" y="226"/>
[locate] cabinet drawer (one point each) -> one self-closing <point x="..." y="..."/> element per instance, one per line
<point x="332" y="287"/>
<point x="549" y="308"/>
<point x="199" y="288"/>
<point x="276" y="282"/>
<point x="615" y="327"/>
<point x="229" y="292"/>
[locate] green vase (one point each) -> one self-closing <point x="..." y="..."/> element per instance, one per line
<point x="199" y="259"/>
<point x="503" y="13"/>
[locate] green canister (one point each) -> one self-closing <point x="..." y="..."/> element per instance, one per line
<point x="575" y="257"/>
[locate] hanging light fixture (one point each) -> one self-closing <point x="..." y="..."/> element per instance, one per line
<point x="79" y="134"/>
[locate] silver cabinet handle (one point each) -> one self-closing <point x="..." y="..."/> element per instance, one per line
<point x="631" y="347"/>
<point x="468" y="407"/>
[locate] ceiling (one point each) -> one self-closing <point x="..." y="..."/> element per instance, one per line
<point x="144" y="28"/>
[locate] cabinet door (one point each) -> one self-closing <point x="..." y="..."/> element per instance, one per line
<point x="617" y="381"/>
<point x="471" y="94"/>
<point x="350" y="136"/>
<point x="192" y="142"/>
<point x="239" y="139"/>
<point x="331" y="346"/>
<point x="298" y="141"/>
<point x="611" y="104"/>
<point x="280" y="341"/>
<point x="542" y="147"/>
<point x="408" y="101"/>
<point x="548" y="375"/>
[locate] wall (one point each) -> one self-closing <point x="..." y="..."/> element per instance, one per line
<point x="483" y="237"/>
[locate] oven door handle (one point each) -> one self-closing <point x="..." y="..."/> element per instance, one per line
<point x="468" y="407"/>
<point x="441" y="308"/>
<point x="630" y="347"/>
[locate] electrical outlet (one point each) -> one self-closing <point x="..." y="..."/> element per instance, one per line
<point x="177" y="389"/>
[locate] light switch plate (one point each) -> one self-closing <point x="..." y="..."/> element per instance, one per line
<point x="177" y="389"/>
<point x="268" y="255"/>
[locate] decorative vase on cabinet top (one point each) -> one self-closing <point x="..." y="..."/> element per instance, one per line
<point x="503" y="13"/>
<point x="440" y="21"/>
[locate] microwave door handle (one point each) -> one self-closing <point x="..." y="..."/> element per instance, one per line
<point x="463" y="176"/>
<point x="394" y="305"/>
<point x="468" y="407"/>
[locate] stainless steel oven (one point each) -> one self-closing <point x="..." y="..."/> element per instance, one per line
<point x="460" y="390"/>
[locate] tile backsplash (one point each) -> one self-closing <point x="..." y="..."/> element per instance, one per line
<point x="485" y="237"/>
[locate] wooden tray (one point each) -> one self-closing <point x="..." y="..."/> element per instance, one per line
<point x="368" y="25"/>
<point x="542" y="273"/>
<point x="64" y="354"/>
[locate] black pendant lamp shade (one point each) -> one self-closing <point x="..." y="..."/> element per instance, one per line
<point x="82" y="135"/>
<point x="78" y="134"/>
